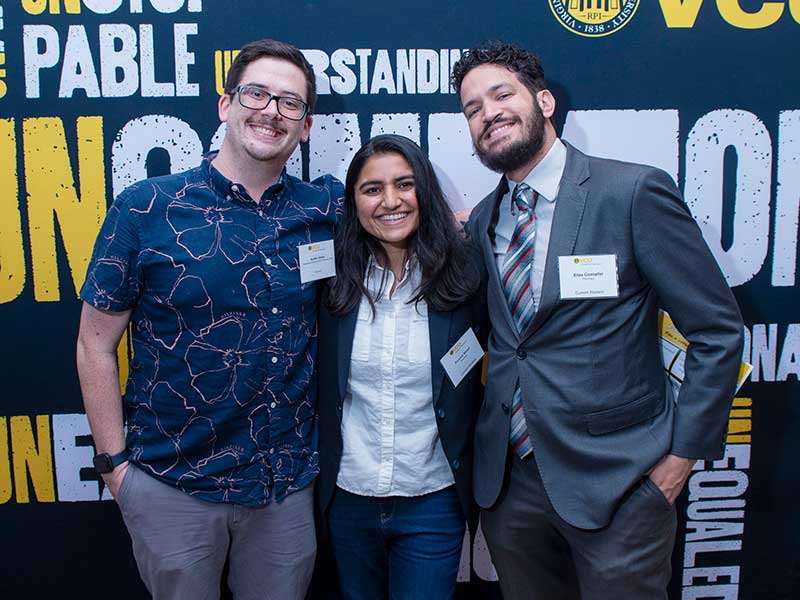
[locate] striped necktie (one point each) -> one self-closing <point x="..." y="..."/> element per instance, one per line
<point x="516" y="280"/>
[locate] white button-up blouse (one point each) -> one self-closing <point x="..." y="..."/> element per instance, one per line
<point x="391" y="444"/>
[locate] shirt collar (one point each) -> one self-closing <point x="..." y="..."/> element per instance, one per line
<point x="376" y="273"/>
<point x="545" y="177"/>
<point x="227" y="188"/>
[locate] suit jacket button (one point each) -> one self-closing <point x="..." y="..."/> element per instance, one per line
<point x="456" y="464"/>
<point x="504" y="406"/>
<point x="441" y="413"/>
<point x="521" y="354"/>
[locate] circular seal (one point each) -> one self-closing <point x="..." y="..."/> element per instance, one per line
<point x="593" y="18"/>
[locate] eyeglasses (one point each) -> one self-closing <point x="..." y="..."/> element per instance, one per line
<point x="257" y="98"/>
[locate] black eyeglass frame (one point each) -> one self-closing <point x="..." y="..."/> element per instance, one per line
<point x="270" y="97"/>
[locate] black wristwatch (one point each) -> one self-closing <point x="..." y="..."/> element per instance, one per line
<point x="105" y="463"/>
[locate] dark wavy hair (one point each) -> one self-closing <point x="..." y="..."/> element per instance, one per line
<point x="524" y="63"/>
<point x="272" y="49"/>
<point x="445" y="258"/>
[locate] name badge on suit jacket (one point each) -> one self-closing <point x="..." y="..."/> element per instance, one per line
<point x="464" y="355"/>
<point x="588" y="276"/>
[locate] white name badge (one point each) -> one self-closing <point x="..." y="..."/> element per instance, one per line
<point x="316" y="261"/>
<point x="588" y="276"/>
<point x="464" y="355"/>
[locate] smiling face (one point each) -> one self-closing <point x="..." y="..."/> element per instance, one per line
<point x="255" y="136"/>
<point x="386" y="200"/>
<point x="508" y="124"/>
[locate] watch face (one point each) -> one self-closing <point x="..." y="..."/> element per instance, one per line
<point x="102" y="463"/>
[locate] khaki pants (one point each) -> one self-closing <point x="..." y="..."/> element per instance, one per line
<point x="181" y="543"/>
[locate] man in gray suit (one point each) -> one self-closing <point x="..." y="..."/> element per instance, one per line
<point x="581" y="448"/>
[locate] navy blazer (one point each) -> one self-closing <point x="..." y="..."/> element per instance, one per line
<point x="455" y="408"/>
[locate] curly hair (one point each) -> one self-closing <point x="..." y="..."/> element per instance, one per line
<point x="524" y="63"/>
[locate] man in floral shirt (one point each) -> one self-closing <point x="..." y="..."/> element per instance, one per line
<point x="220" y="451"/>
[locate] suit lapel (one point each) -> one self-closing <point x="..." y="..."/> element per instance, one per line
<point x="495" y="286"/>
<point x="346" y="330"/>
<point x="570" y="204"/>
<point x="439" y="335"/>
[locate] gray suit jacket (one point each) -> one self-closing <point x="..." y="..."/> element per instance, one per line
<point x="593" y="387"/>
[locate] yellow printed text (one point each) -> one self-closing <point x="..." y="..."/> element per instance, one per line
<point x="52" y="197"/>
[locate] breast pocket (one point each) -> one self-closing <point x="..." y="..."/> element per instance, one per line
<point x="419" y="341"/>
<point x="362" y="337"/>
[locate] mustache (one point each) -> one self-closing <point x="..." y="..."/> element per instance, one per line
<point x="269" y="122"/>
<point x="495" y="121"/>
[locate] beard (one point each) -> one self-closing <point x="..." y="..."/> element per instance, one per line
<point x="516" y="154"/>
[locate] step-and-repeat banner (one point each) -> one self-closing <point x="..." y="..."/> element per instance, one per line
<point x="97" y="94"/>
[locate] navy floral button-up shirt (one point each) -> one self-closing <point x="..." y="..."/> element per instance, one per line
<point x="220" y="399"/>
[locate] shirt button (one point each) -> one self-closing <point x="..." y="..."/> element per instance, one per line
<point x="521" y="354"/>
<point x="441" y="413"/>
<point x="269" y="262"/>
<point x="456" y="464"/>
<point x="274" y="359"/>
<point x="504" y="406"/>
<point x="234" y="188"/>
<point x="228" y="197"/>
<point x="273" y="405"/>
<point x="274" y="310"/>
<point x="272" y="450"/>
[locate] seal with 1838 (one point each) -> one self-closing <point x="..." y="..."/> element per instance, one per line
<point x="593" y="18"/>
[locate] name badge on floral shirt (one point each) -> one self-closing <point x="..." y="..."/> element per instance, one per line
<point x="316" y="261"/>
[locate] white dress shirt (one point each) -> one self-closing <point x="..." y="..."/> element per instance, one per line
<point x="545" y="179"/>
<point x="391" y="444"/>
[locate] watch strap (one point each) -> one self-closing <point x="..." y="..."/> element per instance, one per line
<point x="119" y="458"/>
<point x="105" y="463"/>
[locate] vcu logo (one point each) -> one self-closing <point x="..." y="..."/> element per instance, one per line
<point x="593" y="18"/>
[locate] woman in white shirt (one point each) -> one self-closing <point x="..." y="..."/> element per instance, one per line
<point x="395" y="488"/>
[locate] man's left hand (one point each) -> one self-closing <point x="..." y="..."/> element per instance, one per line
<point x="670" y="475"/>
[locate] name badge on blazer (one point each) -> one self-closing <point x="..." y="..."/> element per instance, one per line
<point x="464" y="355"/>
<point x="588" y="276"/>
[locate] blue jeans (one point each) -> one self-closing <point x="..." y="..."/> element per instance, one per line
<point x="397" y="548"/>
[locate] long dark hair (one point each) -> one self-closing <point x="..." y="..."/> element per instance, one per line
<point x="445" y="259"/>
